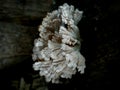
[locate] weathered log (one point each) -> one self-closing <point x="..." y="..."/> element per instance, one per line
<point x="15" y="43"/>
<point x="18" y="25"/>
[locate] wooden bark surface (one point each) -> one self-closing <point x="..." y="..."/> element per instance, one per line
<point x="19" y="20"/>
<point x="99" y="30"/>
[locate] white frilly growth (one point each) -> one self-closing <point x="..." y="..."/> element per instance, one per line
<point x="57" y="51"/>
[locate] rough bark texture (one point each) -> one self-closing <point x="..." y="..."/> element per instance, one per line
<point x="18" y="25"/>
<point x="19" y="20"/>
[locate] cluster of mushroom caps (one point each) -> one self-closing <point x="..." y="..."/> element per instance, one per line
<point x="57" y="50"/>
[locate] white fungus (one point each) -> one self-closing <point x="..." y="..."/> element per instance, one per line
<point x="57" y="51"/>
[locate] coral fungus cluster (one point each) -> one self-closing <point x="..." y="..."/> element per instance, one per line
<point x="57" y="51"/>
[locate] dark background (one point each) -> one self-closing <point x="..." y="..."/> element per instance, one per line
<point x="99" y="30"/>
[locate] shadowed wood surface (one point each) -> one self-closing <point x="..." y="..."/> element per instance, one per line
<point x="19" y="20"/>
<point x="99" y="30"/>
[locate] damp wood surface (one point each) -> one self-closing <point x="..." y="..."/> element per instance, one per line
<point x="99" y="30"/>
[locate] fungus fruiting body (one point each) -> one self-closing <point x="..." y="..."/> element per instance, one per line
<point x="57" y="50"/>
